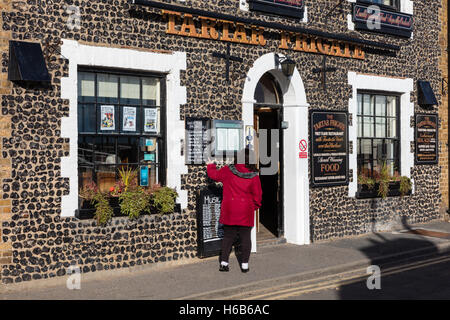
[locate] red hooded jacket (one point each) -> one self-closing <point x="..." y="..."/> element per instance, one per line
<point x="241" y="196"/>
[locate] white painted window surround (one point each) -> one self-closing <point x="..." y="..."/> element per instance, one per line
<point x="127" y="59"/>
<point x="243" y="5"/>
<point x="394" y="85"/>
<point x="406" y="6"/>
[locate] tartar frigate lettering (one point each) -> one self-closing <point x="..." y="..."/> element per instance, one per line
<point x="224" y="30"/>
<point x="214" y="29"/>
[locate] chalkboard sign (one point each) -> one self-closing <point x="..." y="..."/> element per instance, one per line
<point x="209" y="231"/>
<point x="329" y="160"/>
<point x="197" y="138"/>
<point x="426" y="139"/>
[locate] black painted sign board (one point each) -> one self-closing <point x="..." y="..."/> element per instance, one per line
<point x="380" y="19"/>
<point x="287" y="8"/>
<point x="209" y="231"/>
<point x="426" y="136"/>
<point x="329" y="137"/>
<point x="197" y="139"/>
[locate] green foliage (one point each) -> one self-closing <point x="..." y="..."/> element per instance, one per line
<point x="405" y="185"/>
<point x="384" y="179"/>
<point x="128" y="177"/>
<point x="164" y="199"/>
<point x="134" y="201"/>
<point x="103" y="211"/>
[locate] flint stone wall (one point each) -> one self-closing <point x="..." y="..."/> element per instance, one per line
<point x="43" y="244"/>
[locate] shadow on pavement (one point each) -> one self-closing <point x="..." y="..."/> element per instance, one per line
<point x="427" y="282"/>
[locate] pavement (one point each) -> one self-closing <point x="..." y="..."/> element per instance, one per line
<point x="272" y="267"/>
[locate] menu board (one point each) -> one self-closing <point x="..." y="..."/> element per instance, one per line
<point x="210" y="232"/>
<point x="329" y="160"/>
<point x="426" y="139"/>
<point x="197" y="138"/>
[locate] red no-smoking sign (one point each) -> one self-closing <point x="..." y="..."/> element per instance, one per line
<point x="303" y="145"/>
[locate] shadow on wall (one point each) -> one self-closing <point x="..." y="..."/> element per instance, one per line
<point x="427" y="282"/>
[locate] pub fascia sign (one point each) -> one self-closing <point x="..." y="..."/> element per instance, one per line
<point x="390" y="22"/>
<point x="229" y="31"/>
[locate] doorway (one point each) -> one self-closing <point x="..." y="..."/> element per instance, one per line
<point x="268" y="116"/>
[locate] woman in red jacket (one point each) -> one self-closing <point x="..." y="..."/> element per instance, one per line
<point x="242" y="195"/>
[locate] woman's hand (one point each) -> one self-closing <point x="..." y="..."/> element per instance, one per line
<point x="209" y="161"/>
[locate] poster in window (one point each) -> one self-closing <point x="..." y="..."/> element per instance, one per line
<point x="150" y="120"/>
<point x="107" y="118"/>
<point x="129" y="119"/>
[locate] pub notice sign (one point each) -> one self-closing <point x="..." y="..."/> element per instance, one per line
<point x="329" y="137"/>
<point x="426" y="138"/>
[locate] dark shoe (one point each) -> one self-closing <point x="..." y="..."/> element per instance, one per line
<point x="245" y="270"/>
<point x="223" y="268"/>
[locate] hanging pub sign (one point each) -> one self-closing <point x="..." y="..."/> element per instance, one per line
<point x="376" y="18"/>
<point x="329" y="137"/>
<point x="209" y="230"/>
<point x="287" y="8"/>
<point x="426" y="138"/>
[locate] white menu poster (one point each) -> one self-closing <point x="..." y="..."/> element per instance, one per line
<point x="129" y="119"/>
<point x="151" y="120"/>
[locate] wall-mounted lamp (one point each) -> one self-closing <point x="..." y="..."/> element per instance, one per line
<point x="287" y="65"/>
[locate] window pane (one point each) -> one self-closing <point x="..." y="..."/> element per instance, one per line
<point x="151" y="91"/>
<point x="366" y="149"/>
<point x="105" y="150"/>
<point x="368" y="105"/>
<point x="129" y="90"/>
<point x="85" y="152"/>
<point x="86" y="118"/>
<point x="391" y="149"/>
<point x="359" y="126"/>
<point x="378" y="149"/>
<point x="380" y="127"/>
<point x="107" y="88"/>
<point x="368" y="127"/>
<point x="86" y="87"/>
<point x="391" y="106"/>
<point x="359" y="103"/>
<point x="391" y="127"/>
<point x="128" y="149"/>
<point x="380" y="105"/>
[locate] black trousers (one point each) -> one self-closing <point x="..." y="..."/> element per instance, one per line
<point x="244" y="243"/>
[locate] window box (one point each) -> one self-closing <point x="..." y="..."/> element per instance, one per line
<point x="366" y="192"/>
<point x="87" y="210"/>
